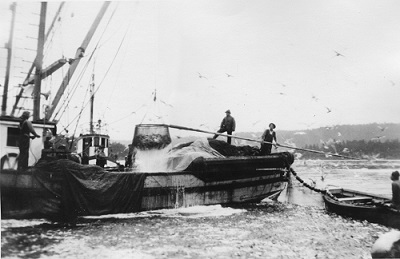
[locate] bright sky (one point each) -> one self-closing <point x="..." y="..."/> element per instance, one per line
<point x="299" y="64"/>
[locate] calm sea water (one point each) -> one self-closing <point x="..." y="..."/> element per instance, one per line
<point x="119" y="236"/>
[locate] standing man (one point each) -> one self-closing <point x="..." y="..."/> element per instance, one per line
<point x="25" y="129"/>
<point x="101" y="158"/>
<point x="269" y="135"/>
<point x="395" y="189"/>
<point x="228" y="125"/>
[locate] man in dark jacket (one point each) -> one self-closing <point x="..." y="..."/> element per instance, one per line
<point x="268" y="136"/>
<point x="26" y="128"/>
<point x="228" y="125"/>
<point x="395" y="189"/>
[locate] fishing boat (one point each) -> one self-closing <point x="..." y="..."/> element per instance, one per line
<point x="362" y="206"/>
<point x="61" y="189"/>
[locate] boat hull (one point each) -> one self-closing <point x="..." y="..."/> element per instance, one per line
<point x="215" y="181"/>
<point x="375" y="210"/>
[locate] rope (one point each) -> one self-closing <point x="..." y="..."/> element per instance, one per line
<point x="86" y="65"/>
<point x="326" y="192"/>
<point x="100" y="84"/>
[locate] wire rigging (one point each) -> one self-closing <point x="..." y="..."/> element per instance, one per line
<point x="86" y="65"/>
<point x="105" y="75"/>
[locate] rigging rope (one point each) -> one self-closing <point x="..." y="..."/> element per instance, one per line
<point x="82" y="72"/>
<point x="105" y="75"/>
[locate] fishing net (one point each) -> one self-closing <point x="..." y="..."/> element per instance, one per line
<point x="151" y="136"/>
<point x="180" y="157"/>
<point x="228" y="150"/>
<point x="68" y="189"/>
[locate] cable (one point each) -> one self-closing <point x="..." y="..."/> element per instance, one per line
<point x="96" y="47"/>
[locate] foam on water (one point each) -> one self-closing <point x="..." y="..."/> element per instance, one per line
<point x="189" y="212"/>
<point x="13" y="223"/>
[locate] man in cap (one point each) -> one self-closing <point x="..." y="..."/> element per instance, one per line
<point x="269" y="135"/>
<point x="228" y="125"/>
<point x="395" y="189"/>
<point x="25" y="129"/>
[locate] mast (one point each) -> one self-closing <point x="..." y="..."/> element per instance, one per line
<point x="74" y="65"/>
<point x="9" y="55"/>
<point x="28" y="76"/>
<point x="92" y="103"/>
<point x="39" y="62"/>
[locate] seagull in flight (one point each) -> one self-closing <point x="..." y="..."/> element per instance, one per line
<point x="201" y="76"/>
<point x="383" y="128"/>
<point x="315" y="98"/>
<point x="228" y="75"/>
<point x="338" y="54"/>
<point x="328" y="110"/>
<point x="167" y="104"/>
<point x="377" y="138"/>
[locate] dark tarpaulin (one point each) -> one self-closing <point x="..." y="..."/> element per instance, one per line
<point x="90" y="190"/>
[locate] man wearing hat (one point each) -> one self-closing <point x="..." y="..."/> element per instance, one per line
<point x="269" y="135"/>
<point x="395" y="189"/>
<point x="25" y="129"/>
<point x="228" y="125"/>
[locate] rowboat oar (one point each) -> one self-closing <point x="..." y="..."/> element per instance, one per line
<point x="259" y="141"/>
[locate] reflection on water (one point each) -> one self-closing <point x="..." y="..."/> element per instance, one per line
<point x="193" y="229"/>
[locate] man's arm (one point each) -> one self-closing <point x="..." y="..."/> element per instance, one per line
<point x="222" y="123"/>
<point x="263" y="135"/>
<point x="31" y="129"/>
<point x="233" y="124"/>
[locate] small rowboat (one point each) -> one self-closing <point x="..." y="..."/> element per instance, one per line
<point x="362" y="206"/>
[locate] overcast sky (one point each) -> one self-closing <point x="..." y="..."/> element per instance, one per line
<point x="299" y="64"/>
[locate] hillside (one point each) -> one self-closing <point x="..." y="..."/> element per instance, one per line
<point x="301" y="138"/>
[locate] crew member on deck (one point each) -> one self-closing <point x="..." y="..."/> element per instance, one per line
<point x="228" y="125"/>
<point x="25" y="129"/>
<point x="395" y="189"/>
<point x="101" y="158"/>
<point x="269" y="135"/>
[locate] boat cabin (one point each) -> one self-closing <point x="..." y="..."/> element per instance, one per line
<point x="9" y="137"/>
<point x="87" y="146"/>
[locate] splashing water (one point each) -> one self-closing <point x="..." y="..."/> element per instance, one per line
<point x="153" y="160"/>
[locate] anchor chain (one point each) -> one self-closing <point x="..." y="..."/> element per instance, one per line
<point x="311" y="187"/>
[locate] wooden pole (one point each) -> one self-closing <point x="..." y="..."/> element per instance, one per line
<point x="39" y="62"/>
<point x="92" y="103"/>
<point x="260" y="141"/>
<point x="28" y="76"/>
<point x="75" y="64"/>
<point x="9" y="57"/>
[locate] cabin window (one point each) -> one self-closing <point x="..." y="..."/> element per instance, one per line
<point x="87" y="142"/>
<point x="12" y="137"/>
<point x="103" y="142"/>
<point x="96" y="141"/>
